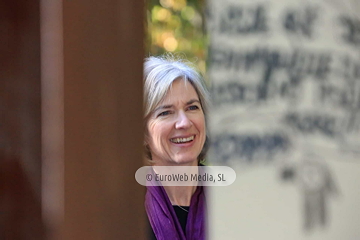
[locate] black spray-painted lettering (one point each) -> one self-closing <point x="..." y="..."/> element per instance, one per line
<point x="352" y="26"/>
<point x="249" y="147"/>
<point x="235" y="92"/>
<point x="298" y="63"/>
<point x="346" y="97"/>
<point x="351" y="68"/>
<point x="300" y="21"/>
<point x="312" y="123"/>
<point x="296" y="66"/>
<point x="243" y="20"/>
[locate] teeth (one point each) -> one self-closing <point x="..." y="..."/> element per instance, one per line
<point x="182" y="140"/>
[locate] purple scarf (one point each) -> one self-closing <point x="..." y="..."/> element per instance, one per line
<point x="164" y="221"/>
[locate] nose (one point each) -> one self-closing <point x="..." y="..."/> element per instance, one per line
<point x="182" y="121"/>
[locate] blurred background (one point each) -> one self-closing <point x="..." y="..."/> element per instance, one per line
<point x="285" y="85"/>
<point x="177" y="26"/>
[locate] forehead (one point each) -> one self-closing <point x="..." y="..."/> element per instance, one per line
<point x="180" y="90"/>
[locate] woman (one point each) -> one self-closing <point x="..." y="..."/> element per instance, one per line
<point x="175" y="102"/>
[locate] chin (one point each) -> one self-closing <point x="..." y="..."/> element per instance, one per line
<point x="183" y="160"/>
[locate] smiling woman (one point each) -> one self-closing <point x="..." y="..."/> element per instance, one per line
<point x="176" y="129"/>
<point x="176" y="103"/>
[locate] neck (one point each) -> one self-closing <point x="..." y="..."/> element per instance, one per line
<point x="180" y="195"/>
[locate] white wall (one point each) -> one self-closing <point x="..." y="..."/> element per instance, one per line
<point x="286" y="116"/>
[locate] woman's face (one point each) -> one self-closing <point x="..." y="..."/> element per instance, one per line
<point x="176" y="129"/>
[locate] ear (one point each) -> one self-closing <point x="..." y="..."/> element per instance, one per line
<point x="147" y="151"/>
<point x="146" y="146"/>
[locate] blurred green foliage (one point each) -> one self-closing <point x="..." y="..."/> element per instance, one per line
<point x="177" y="26"/>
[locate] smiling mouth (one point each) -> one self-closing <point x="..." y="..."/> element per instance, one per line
<point x="182" y="140"/>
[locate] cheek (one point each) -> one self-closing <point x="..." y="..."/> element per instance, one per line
<point x="200" y="124"/>
<point x="157" y="131"/>
<point x="151" y="131"/>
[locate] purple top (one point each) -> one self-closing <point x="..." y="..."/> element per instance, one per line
<point x="164" y="221"/>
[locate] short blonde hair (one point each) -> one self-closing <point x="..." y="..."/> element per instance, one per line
<point x="159" y="74"/>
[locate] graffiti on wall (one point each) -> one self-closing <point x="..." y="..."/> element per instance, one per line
<point x="315" y="90"/>
<point x="316" y="184"/>
<point x="285" y="78"/>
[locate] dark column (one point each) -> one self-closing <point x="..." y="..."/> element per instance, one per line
<point x="102" y="119"/>
<point x="20" y="121"/>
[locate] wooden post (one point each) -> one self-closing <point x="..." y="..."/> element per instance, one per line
<point x="97" y="99"/>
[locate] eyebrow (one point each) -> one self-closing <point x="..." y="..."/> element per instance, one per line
<point x="170" y="106"/>
<point x="193" y="101"/>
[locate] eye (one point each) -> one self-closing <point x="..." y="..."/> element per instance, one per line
<point x="193" y="107"/>
<point x="164" y="113"/>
